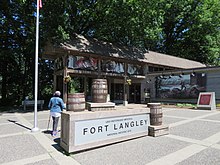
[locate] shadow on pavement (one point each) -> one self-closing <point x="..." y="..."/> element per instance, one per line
<point x="47" y="132"/>
<point x="59" y="148"/>
<point x="15" y="122"/>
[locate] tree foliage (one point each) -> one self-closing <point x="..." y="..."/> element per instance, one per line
<point x="191" y="30"/>
<point x="17" y="51"/>
<point x="184" y="28"/>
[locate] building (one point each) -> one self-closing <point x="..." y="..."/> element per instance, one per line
<point x="130" y="72"/>
<point x="184" y="85"/>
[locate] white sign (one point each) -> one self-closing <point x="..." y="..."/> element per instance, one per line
<point x="87" y="131"/>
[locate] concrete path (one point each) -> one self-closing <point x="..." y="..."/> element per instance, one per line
<point x="194" y="139"/>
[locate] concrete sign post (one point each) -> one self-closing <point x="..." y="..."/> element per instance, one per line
<point x="84" y="130"/>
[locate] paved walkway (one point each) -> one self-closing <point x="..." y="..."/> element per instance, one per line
<point x="194" y="139"/>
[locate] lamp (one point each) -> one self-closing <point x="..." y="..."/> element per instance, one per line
<point x="171" y="75"/>
<point x="181" y="75"/>
<point x="148" y="81"/>
<point x="161" y="76"/>
<point x="193" y="74"/>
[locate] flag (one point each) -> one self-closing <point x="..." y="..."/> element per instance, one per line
<point x="40" y="3"/>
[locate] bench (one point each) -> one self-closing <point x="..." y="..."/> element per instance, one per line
<point x="26" y="103"/>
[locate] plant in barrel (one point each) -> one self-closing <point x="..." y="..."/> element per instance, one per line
<point x="71" y="85"/>
<point x="75" y="100"/>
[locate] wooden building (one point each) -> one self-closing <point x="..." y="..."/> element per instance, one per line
<point x="128" y="70"/>
<point x="168" y="85"/>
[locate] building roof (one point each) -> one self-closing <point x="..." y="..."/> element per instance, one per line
<point x="171" y="61"/>
<point x="84" y="45"/>
<point x="81" y="45"/>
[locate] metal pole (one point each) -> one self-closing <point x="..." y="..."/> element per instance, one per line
<point x="48" y="123"/>
<point x="35" y="129"/>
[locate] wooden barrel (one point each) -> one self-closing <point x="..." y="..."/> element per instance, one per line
<point x="99" y="90"/>
<point x="155" y="113"/>
<point x="76" y="102"/>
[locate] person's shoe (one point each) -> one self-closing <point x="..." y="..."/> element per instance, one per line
<point x="54" y="133"/>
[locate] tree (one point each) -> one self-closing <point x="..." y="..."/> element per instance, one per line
<point x="184" y="28"/>
<point x="191" y="30"/>
<point x="131" y="22"/>
<point x="17" y="51"/>
<point x="11" y="52"/>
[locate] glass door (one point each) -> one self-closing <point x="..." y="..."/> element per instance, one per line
<point x="134" y="93"/>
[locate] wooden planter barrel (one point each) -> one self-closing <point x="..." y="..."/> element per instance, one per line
<point x="99" y="90"/>
<point x="76" y="102"/>
<point x="155" y="114"/>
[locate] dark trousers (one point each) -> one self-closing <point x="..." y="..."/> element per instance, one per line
<point x="55" y="123"/>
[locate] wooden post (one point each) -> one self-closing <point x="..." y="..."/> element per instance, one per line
<point x="64" y="74"/>
<point x="85" y="81"/>
<point x="109" y="89"/>
<point x="54" y="82"/>
<point x="125" y="102"/>
<point x="99" y="68"/>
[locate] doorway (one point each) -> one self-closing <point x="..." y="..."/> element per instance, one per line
<point x="117" y="92"/>
<point x="135" y="93"/>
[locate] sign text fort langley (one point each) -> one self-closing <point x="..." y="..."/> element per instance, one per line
<point x="117" y="126"/>
<point x="106" y="128"/>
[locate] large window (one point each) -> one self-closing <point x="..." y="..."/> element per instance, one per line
<point x="82" y="63"/>
<point x="134" y="69"/>
<point x="107" y="66"/>
<point x="184" y="86"/>
<point x="112" y="66"/>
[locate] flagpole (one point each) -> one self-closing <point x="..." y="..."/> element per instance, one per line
<point x="35" y="128"/>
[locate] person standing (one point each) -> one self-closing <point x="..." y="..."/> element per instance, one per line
<point x="56" y="106"/>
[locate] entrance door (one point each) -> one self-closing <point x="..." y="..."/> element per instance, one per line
<point x="59" y="84"/>
<point x="135" y="93"/>
<point x="117" y="92"/>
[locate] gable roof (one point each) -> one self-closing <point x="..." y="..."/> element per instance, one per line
<point x="170" y="61"/>
<point x="82" y="45"/>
